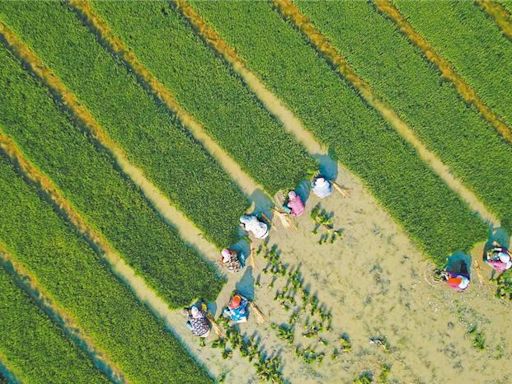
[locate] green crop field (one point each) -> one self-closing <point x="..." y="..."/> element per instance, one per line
<point x="96" y="259"/>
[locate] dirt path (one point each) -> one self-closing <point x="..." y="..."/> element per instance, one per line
<point x="466" y="92"/>
<point x="377" y="284"/>
<point x="58" y="315"/>
<point x="324" y="47"/>
<point x="500" y="15"/>
<point x="100" y="28"/>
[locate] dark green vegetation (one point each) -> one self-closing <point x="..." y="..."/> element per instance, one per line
<point x="454" y="131"/>
<point x="38" y="351"/>
<point x="206" y="87"/>
<point x="90" y="180"/>
<point x="472" y="42"/>
<point x="432" y="214"/>
<point x="81" y="282"/>
<point x="152" y="138"/>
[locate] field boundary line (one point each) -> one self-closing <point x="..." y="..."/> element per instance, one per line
<point x="6" y="372"/>
<point x="57" y="314"/>
<point x="465" y="91"/>
<point x="150" y="82"/>
<point x="157" y="199"/>
<point x="271" y="102"/>
<point x="499" y="14"/>
<point x="321" y="44"/>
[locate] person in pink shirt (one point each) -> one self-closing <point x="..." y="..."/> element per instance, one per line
<point x="498" y="257"/>
<point x="294" y="206"/>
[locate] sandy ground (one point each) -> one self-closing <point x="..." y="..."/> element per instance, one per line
<point x="377" y="283"/>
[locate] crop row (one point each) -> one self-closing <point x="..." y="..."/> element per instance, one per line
<point x="91" y="181"/>
<point x="428" y="210"/>
<point x="36" y="349"/>
<point x="454" y="131"/>
<point x="195" y="183"/>
<point x="79" y="280"/>
<point x="507" y="4"/>
<point x="209" y="90"/>
<point x="475" y="47"/>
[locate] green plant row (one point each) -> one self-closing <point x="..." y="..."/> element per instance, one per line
<point x="150" y="135"/>
<point x="90" y="180"/>
<point x="432" y="214"/>
<point x="209" y="90"/>
<point x="432" y="108"/>
<point x="80" y="281"/>
<point x="37" y="350"/>
<point x="475" y="47"/>
<point x="507" y="4"/>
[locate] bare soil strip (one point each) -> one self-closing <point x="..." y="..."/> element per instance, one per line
<point x="324" y="47"/>
<point x="271" y="102"/>
<point x="151" y="83"/>
<point x="500" y="15"/>
<point x="186" y="228"/>
<point x="119" y="267"/>
<point x="465" y="91"/>
<point x="59" y="315"/>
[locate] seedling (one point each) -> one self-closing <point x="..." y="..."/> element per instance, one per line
<point x="504" y="282"/>
<point x="324" y="220"/>
<point x="385" y="370"/>
<point x="345" y="342"/>
<point x="382" y="341"/>
<point x="284" y="332"/>
<point x="365" y="377"/>
<point x="478" y="337"/>
<point x="227" y="354"/>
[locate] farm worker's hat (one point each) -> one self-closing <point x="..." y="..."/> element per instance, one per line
<point x="292" y="194"/>
<point x="454" y="282"/>
<point x="235" y="302"/>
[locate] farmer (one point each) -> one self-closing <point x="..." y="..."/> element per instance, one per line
<point x="237" y="309"/>
<point x="321" y="187"/>
<point x="250" y="223"/>
<point x="456" y="273"/>
<point x="231" y="260"/>
<point x="197" y="321"/>
<point x="294" y="206"/>
<point x="498" y="257"/>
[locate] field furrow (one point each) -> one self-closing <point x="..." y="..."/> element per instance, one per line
<point x="82" y="282"/>
<point x="58" y="315"/>
<point x="361" y="139"/>
<point x="113" y="205"/>
<point x="210" y="91"/>
<point x="148" y="80"/>
<point x="485" y="54"/>
<point x="454" y="131"/>
<point x="37" y="351"/>
<point x="500" y="13"/>
<point x="128" y="122"/>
